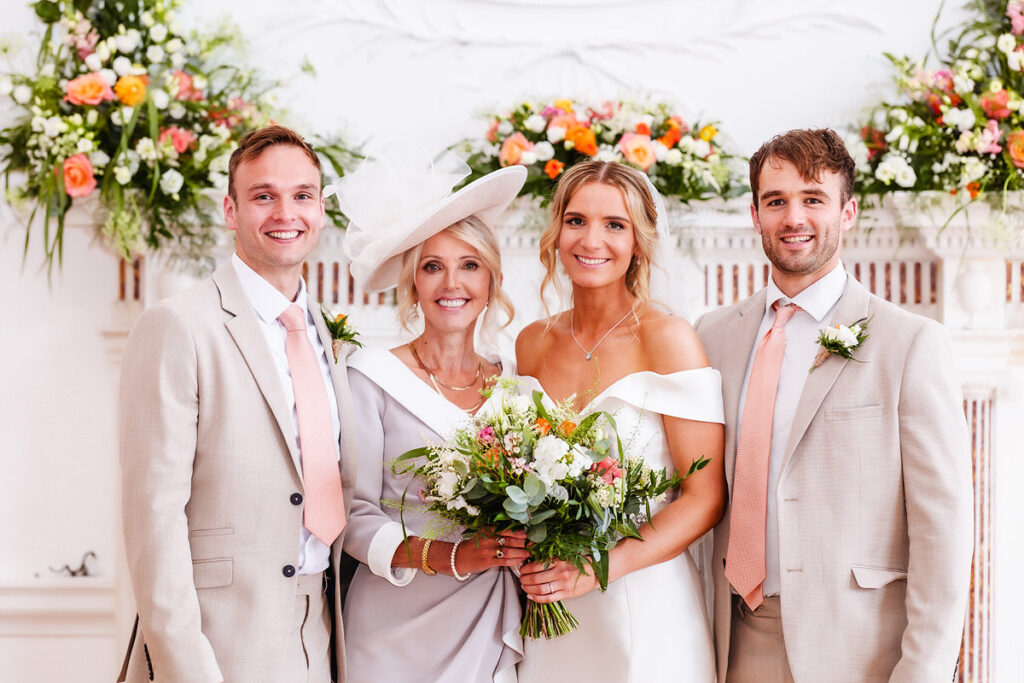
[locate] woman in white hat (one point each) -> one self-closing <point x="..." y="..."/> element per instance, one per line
<point x="616" y="352"/>
<point x="433" y="609"/>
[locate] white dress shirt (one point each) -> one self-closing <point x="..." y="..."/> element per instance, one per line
<point x="269" y="303"/>
<point x="818" y="303"/>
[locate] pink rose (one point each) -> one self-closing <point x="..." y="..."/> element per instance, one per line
<point x="185" y="88"/>
<point x="1015" y="13"/>
<point x="181" y="139"/>
<point x="78" y="176"/>
<point x="608" y="469"/>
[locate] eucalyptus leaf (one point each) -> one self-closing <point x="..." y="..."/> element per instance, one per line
<point x="538" y="533"/>
<point x="517" y="494"/>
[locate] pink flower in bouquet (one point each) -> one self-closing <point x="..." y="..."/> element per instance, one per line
<point x="989" y="139"/>
<point x="492" y="131"/>
<point x="91" y="88"/>
<point x="605" y="111"/>
<point x="181" y="139"/>
<point x="565" y="121"/>
<point x="638" y="149"/>
<point x="943" y="80"/>
<point x="186" y="89"/>
<point x="1015" y="13"/>
<point x="512" y="149"/>
<point x="994" y="104"/>
<point x="1015" y="147"/>
<point x="85" y="44"/>
<point x="609" y="470"/>
<point x="78" y="176"/>
<point x="485" y="435"/>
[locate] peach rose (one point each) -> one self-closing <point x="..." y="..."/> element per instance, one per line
<point x="131" y="89"/>
<point x="1015" y="147"/>
<point x="185" y="89"/>
<point x="512" y="149"/>
<point x="583" y="139"/>
<point x="565" y="121"/>
<point x="88" y="89"/>
<point x="638" y="149"/>
<point x="553" y="168"/>
<point x="78" y="177"/>
<point x="181" y="139"/>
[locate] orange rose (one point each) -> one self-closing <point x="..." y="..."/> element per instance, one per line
<point x="340" y="318"/>
<point x="131" y="89"/>
<point x="671" y="137"/>
<point x="973" y="188"/>
<point x="78" y="178"/>
<point x="567" y="428"/>
<point x="512" y="149"/>
<point x="88" y="89"/>
<point x="1015" y="147"/>
<point x="542" y="425"/>
<point x="583" y="140"/>
<point x="643" y="129"/>
<point x="638" y="149"/>
<point x="553" y="168"/>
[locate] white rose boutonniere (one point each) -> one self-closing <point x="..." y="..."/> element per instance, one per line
<point x="341" y="331"/>
<point x="840" y="340"/>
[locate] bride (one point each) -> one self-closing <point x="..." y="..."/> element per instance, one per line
<point x="613" y="351"/>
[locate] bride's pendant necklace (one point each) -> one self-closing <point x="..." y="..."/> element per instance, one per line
<point x="572" y="332"/>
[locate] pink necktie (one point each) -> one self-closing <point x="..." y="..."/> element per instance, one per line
<point x="745" y="557"/>
<point x="324" y="514"/>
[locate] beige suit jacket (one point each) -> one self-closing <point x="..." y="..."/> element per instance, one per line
<point x="874" y="499"/>
<point x="209" y="476"/>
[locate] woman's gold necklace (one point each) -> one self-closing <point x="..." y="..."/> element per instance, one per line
<point x="438" y="383"/>
<point x="572" y="332"/>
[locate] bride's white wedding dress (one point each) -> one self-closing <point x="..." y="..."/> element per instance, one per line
<point x="650" y="625"/>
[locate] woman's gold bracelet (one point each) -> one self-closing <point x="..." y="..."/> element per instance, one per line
<point x="423" y="558"/>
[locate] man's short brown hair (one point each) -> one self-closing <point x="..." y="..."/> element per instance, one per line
<point x="811" y="151"/>
<point x="253" y="144"/>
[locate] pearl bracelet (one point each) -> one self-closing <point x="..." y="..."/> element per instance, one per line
<point x="455" y="572"/>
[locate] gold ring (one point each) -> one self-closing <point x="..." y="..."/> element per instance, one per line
<point x="499" y="553"/>
<point x="550" y="589"/>
<point x="501" y="540"/>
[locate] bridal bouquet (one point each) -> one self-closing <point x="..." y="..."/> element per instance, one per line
<point x="558" y="475"/>
<point x="686" y="160"/>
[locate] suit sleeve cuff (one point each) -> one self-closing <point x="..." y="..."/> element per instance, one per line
<point x="382" y="550"/>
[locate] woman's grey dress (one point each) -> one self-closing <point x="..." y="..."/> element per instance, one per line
<point x="400" y="624"/>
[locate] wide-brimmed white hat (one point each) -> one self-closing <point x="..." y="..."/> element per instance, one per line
<point x="400" y="197"/>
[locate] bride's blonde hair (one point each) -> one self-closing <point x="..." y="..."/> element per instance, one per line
<point x="643" y="214"/>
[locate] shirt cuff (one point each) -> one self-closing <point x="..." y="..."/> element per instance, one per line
<point x="382" y="551"/>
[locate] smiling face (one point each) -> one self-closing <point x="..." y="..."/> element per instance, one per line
<point x="596" y="241"/>
<point x="452" y="283"/>
<point x="277" y="213"/>
<point x="800" y="222"/>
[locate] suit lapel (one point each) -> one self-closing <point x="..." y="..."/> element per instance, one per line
<point x="244" y="328"/>
<point x="853" y="305"/>
<point x="738" y="340"/>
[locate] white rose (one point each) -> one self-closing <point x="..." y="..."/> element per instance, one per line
<point x="905" y="177"/>
<point x="6" y="86"/>
<point x="885" y="172"/>
<point x="544" y="151"/>
<point x="99" y="158"/>
<point x="556" y="134"/>
<point x="94" y="62"/>
<point x="54" y="126"/>
<point x="660" y="151"/>
<point x="176" y="110"/>
<point x="846" y="337"/>
<point x="158" y="33"/>
<point x="146" y="149"/>
<point x="171" y="181"/>
<point x="674" y="157"/>
<point x="22" y="94"/>
<point x="701" y="148"/>
<point x="1006" y="43"/>
<point x="528" y="158"/>
<point x="123" y="66"/>
<point x="84" y="146"/>
<point x="128" y="41"/>
<point x="173" y="46"/>
<point x="535" y="123"/>
<point x="505" y="128"/>
<point x="446" y="484"/>
<point x="520" y="404"/>
<point x="830" y="334"/>
<point x="109" y="76"/>
<point x="122" y="175"/>
<point x="155" y="54"/>
<point x="160" y="98"/>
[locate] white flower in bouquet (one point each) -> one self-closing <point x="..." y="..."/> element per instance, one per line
<point x="171" y="181"/>
<point x="544" y="151"/>
<point x="556" y="134"/>
<point x="37" y="124"/>
<point x="84" y="146"/>
<point x="47" y="71"/>
<point x="447" y="485"/>
<point x="528" y="158"/>
<point x="94" y="62"/>
<point x="674" y="157"/>
<point x="176" y="110"/>
<point x="160" y="98"/>
<point x="173" y="46"/>
<point x="1015" y="60"/>
<point x="219" y="181"/>
<point x="99" y="158"/>
<point x="102" y="51"/>
<point x="220" y="164"/>
<point x="128" y="41"/>
<point x="905" y="176"/>
<point x="146" y="150"/>
<point x="22" y="94"/>
<point x="155" y="54"/>
<point x="54" y="126"/>
<point x="122" y="175"/>
<point x="962" y="119"/>
<point x="606" y="153"/>
<point x="109" y="75"/>
<point x="133" y="159"/>
<point x="535" y="123"/>
<point x="6" y="86"/>
<point x="973" y="169"/>
<point x="146" y="19"/>
<point x="547" y="459"/>
<point x="158" y="33"/>
<point x="660" y="150"/>
<point x="701" y="148"/>
<point x="123" y="66"/>
<point x="505" y="128"/>
<point x="1006" y="43"/>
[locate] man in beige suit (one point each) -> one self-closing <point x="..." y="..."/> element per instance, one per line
<point x="850" y="491"/>
<point x="233" y="523"/>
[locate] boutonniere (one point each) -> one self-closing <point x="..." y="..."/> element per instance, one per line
<point x="841" y="341"/>
<point x="341" y="332"/>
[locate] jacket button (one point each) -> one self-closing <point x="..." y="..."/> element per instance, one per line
<point x="288" y="571"/>
<point x="296" y="499"/>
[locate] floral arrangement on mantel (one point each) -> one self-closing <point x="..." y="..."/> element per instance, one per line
<point x="684" y="160"/>
<point x="127" y="107"/>
<point x="958" y="128"/>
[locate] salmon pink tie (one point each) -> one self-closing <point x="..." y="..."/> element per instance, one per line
<point x="324" y="514"/>
<point x="745" y="557"/>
